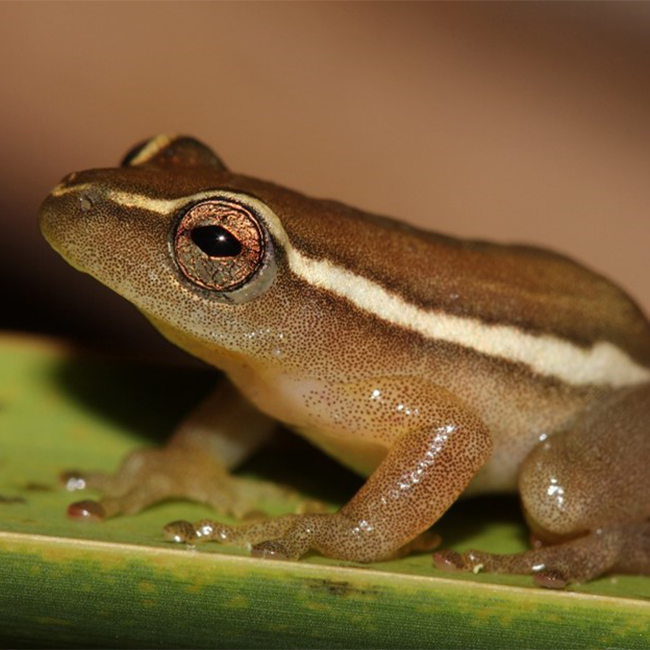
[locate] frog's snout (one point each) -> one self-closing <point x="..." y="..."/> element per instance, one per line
<point x="47" y="218"/>
<point x="65" y="206"/>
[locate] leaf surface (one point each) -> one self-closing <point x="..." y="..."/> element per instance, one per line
<point x="119" y="584"/>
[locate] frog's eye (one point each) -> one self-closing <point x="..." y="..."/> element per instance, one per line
<point x="219" y="245"/>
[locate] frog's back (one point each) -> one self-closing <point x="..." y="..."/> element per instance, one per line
<point x="535" y="290"/>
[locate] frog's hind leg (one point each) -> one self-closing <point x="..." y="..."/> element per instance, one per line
<point x="219" y="434"/>
<point x="586" y="492"/>
<point x="623" y="548"/>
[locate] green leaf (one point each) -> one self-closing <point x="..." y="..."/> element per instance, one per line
<point x="118" y="584"/>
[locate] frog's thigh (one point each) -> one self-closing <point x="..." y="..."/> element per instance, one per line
<point x="217" y="435"/>
<point x="590" y="483"/>
<point x="593" y="475"/>
<point x="423" y="473"/>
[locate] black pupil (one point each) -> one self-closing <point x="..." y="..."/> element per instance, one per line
<point x="216" y="241"/>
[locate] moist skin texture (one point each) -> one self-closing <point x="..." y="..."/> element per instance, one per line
<point x="434" y="366"/>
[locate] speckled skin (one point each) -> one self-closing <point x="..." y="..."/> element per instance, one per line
<point x="425" y="418"/>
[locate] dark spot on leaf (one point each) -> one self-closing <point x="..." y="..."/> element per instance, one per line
<point x="339" y="588"/>
<point x="38" y="487"/>
<point x="11" y="500"/>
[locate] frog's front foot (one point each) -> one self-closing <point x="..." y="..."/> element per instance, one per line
<point x="623" y="548"/>
<point x="149" y="476"/>
<point x="289" y="537"/>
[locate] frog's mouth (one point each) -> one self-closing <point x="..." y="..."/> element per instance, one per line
<point x="57" y="228"/>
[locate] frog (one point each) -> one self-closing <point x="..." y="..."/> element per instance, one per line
<point x="435" y="367"/>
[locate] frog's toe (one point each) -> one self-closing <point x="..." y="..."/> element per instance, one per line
<point x="208" y="530"/>
<point x="449" y="561"/>
<point x="551" y="579"/>
<point x="274" y="549"/>
<point x="181" y="532"/>
<point x="87" y="510"/>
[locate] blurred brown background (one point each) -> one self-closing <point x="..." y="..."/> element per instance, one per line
<point x="515" y="122"/>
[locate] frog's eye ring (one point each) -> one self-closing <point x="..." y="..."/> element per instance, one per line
<point x="219" y="245"/>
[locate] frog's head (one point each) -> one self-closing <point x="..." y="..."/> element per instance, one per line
<point x="193" y="246"/>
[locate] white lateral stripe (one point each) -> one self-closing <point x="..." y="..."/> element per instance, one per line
<point x="603" y="363"/>
<point x="159" y="206"/>
<point x="547" y="355"/>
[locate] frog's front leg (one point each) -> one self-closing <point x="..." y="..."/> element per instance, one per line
<point x="438" y="445"/>
<point x="218" y="435"/>
<point x="586" y="493"/>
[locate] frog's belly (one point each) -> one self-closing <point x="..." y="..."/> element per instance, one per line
<point x="360" y="455"/>
<point x="516" y="416"/>
<point x="499" y="474"/>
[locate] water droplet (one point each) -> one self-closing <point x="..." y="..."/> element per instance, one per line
<point x="85" y="203"/>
